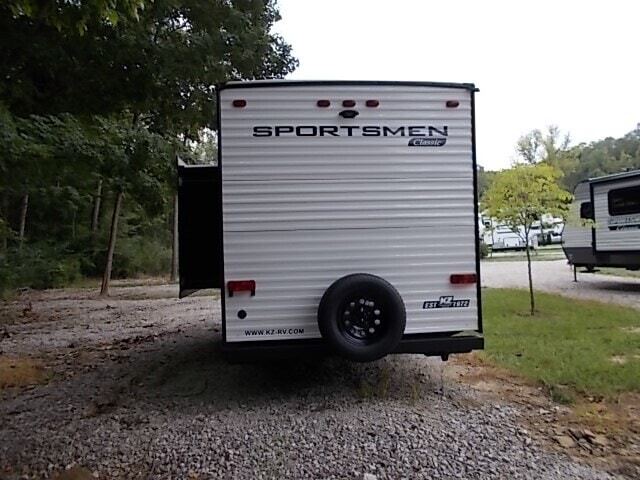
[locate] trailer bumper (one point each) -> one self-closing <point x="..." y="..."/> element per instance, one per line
<point x="440" y="345"/>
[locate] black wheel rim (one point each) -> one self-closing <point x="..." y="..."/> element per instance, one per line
<point x="361" y="319"/>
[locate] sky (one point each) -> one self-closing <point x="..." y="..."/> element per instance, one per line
<point x="574" y="64"/>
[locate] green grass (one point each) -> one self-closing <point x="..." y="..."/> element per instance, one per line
<point x="551" y="252"/>
<point x="570" y="345"/>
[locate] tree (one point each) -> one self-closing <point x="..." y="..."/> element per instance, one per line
<point x="485" y="177"/>
<point x="602" y="157"/>
<point x="74" y="16"/>
<point x="94" y="95"/>
<point x="134" y="160"/>
<point x="529" y="147"/>
<point x="161" y="68"/>
<point x="549" y="146"/>
<point x="520" y="196"/>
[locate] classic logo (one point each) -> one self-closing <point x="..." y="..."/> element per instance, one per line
<point x="427" y="142"/>
<point x="446" y="301"/>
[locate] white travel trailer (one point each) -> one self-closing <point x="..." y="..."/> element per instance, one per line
<point x="502" y="237"/>
<point x="608" y="234"/>
<point x="341" y="217"/>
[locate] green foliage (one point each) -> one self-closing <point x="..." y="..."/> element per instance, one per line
<point x="577" y="163"/>
<point x="74" y="16"/>
<point x="101" y="96"/>
<point x="59" y="160"/>
<point x="521" y="195"/>
<point x="603" y="157"/>
<point x="161" y="68"/>
<point x="485" y="178"/>
<point x="550" y="146"/>
<point x="574" y="345"/>
<point x="484" y="250"/>
<point x="38" y="266"/>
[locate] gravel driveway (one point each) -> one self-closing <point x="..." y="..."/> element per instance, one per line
<point x="556" y="276"/>
<point x="139" y="390"/>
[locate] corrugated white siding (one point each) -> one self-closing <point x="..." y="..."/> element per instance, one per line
<point x="608" y="239"/>
<point x="301" y="212"/>
<point x="574" y="234"/>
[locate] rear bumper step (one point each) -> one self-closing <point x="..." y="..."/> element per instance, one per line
<point x="431" y="345"/>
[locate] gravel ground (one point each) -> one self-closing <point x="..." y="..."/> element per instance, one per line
<point x="556" y="276"/>
<point x="139" y="390"/>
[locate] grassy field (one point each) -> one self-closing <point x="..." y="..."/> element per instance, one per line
<point x="571" y="346"/>
<point x="550" y="252"/>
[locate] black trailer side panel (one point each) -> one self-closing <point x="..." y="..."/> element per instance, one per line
<point x="199" y="228"/>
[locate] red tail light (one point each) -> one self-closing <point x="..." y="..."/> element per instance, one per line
<point x="372" y="103"/>
<point x="323" y="103"/>
<point x="241" y="286"/>
<point x="452" y="103"/>
<point x="239" y="103"/>
<point x="463" y="278"/>
<point x="348" y="103"/>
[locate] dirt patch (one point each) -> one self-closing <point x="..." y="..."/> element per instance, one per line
<point x="604" y="433"/>
<point x="618" y="359"/>
<point x="21" y="372"/>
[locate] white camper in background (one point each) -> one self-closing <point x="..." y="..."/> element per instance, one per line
<point x="610" y="237"/>
<point x="502" y="237"/>
<point x="341" y="217"/>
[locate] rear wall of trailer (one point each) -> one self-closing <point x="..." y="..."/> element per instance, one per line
<point x="617" y="215"/>
<point x="300" y="212"/>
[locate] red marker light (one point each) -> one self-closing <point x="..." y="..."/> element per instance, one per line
<point x="463" y="278"/>
<point x="348" y="103"/>
<point x="239" y="103"/>
<point x="452" y="103"/>
<point x="372" y="103"/>
<point x="323" y="103"/>
<point x="241" y="286"/>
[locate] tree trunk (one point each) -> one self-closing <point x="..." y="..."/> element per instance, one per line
<point x="95" y="217"/>
<point x="174" y="243"/>
<point x="24" y="206"/>
<point x="73" y="224"/>
<point x="533" y="306"/>
<point x="5" y="216"/>
<point x="106" y="277"/>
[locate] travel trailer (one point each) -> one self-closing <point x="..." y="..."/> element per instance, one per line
<point x="340" y="217"/>
<point x="502" y="237"/>
<point x="607" y="233"/>
<point x="551" y="231"/>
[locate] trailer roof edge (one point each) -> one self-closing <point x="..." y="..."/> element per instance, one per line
<point x="303" y="83"/>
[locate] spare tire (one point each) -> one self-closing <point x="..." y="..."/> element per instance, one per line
<point x="362" y="317"/>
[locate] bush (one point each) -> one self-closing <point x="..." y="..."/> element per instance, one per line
<point x="38" y="266"/>
<point x="484" y="250"/>
<point x="140" y="256"/>
<point x="6" y="279"/>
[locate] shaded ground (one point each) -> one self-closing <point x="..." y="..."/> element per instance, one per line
<point x="557" y="277"/>
<point x="135" y="387"/>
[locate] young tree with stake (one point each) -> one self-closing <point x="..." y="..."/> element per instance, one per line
<point x="520" y="196"/>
